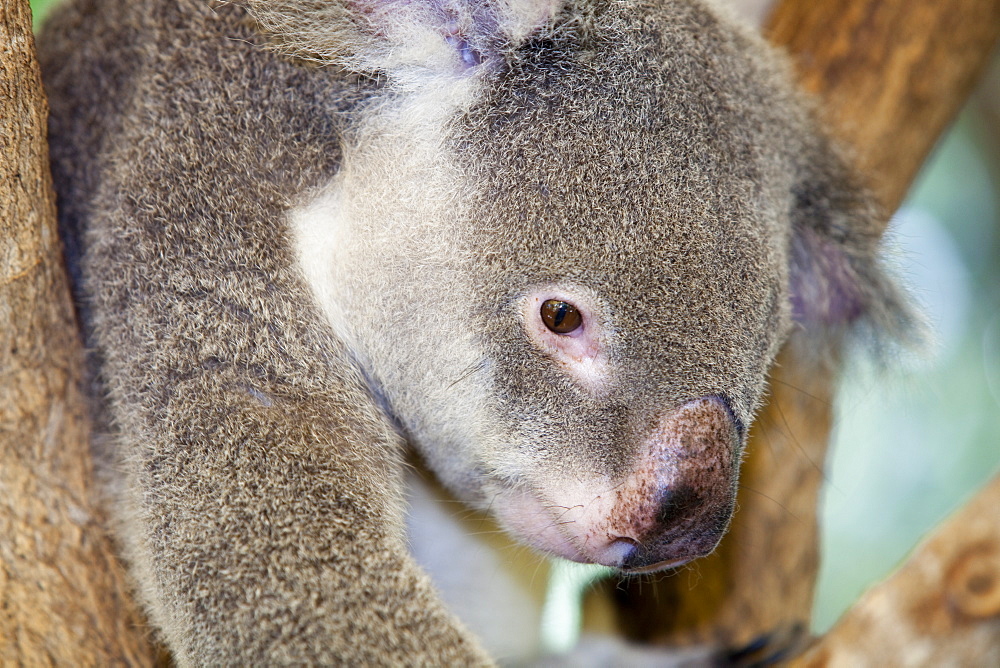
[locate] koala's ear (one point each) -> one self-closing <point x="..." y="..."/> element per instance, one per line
<point x="387" y="35"/>
<point x="840" y="283"/>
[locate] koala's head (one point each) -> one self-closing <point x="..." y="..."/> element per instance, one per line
<point x="566" y="244"/>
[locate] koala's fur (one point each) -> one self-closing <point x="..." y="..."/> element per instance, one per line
<point x="307" y="232"/>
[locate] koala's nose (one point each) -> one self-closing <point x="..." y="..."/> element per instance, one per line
<point x="676" y="503"/>
<point x="617" y="550"/>
<point x="679" y="534"/>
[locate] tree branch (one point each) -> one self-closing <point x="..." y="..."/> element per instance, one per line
<point x="941" y="608"/>
<point x="63" y="598"/>
<point x="892" y="73"/>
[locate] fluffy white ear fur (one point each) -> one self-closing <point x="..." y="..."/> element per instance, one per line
<point x="387" y="36"/>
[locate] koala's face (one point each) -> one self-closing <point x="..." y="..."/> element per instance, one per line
<point x="630" y="270"/>
<point x="567" y="274"/>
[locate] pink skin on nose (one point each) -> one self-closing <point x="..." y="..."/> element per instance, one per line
<point x="673" y="505"/>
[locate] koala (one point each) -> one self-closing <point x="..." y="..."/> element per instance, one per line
<point x="553" y="246"/>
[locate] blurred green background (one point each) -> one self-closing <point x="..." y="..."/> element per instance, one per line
<point x="40" y="7"/>
<point x="911" y="447"/>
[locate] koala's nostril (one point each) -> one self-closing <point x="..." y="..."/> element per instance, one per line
<point x="621" y="549"/>
<point x="676" y="504"/>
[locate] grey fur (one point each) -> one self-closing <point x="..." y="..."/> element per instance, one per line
<point x="649" y="154"/>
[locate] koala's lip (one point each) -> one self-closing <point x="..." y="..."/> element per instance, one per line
<point x="525" y="516"/>
<point x="654" y="568"/>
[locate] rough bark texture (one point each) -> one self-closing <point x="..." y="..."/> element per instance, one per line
<point x="941" y="608"/>
<point x="891" y="74"/>
<point x="62" y="594"/>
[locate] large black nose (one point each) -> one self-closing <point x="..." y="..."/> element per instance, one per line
<point x="687" y="476"/>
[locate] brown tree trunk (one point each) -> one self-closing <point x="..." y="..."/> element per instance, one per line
<point x="891" y="75"/>
<point x="62" y="594"/>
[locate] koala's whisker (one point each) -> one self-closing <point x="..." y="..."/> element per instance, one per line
<point x="487" y="532"/>
<point x="789" y="433"/>
<point x="489" y="508"/>
<point x="772" y="499"/>
<point x="473" y="368"/>
<point x="565" y="509"/>
<point x="539" y="563"/>
<point x="616" y="486"/>
<point x="778" y="381"/>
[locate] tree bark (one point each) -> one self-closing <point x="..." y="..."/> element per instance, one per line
<point x="941" y="608"/>
<point x="63" y="598"/>
<point x="891" y="74"/>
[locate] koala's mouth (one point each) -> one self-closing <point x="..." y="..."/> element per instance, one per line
<point x="673" y="506"/>
<point x="655" y="568"/>
<point x="585" y="534"/>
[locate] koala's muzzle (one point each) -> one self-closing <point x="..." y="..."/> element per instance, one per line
<point x="673" y="504"/>
<point x="676" y="503"/>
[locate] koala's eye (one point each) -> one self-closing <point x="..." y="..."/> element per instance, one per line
<point x="561" y="317"/>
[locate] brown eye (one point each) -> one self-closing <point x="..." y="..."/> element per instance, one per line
<point x="561" y="317"/>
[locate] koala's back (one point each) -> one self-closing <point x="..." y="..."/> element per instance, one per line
<point x="85" y="101"/>
<point x="178" y="141"/>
